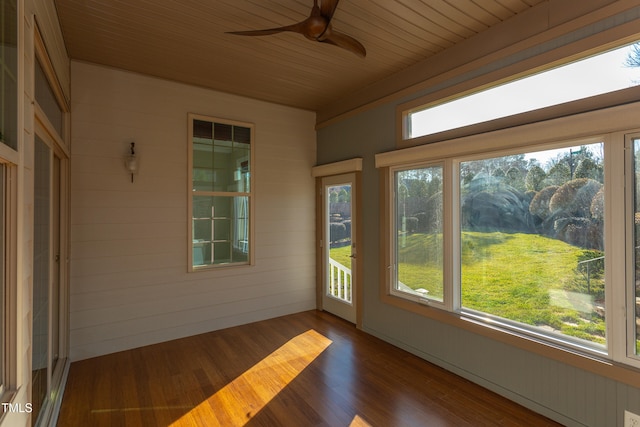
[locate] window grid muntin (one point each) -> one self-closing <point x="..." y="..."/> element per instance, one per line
<point x="226" y="136"/>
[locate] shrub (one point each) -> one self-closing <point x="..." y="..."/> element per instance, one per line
<point x="539" y="205"/>
<point x="505" y="210"/>
<point x="337" y="231"/>
<point x="597" y="205"/>
<point x="574" y="198"/>
<point x="347" y="228"/>
<point x="411" y="224"/>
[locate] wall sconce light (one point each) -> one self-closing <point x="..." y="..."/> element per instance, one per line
<point x="131" y="161"/>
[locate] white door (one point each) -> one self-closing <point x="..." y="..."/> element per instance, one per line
<point x="339" y="245"/>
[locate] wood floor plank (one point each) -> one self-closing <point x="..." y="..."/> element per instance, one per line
<point x="309" y="369"/>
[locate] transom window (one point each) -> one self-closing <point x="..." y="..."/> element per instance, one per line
<point x="220" y="179"/>
<point x="599" y="74"/>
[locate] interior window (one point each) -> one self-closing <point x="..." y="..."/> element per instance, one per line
<point x="221" y="192"/>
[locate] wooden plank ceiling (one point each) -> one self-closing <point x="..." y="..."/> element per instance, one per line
<point x="185" y="41"/>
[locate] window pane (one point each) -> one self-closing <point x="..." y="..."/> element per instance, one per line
<point x="3" y="240"/>
<point x="8" y="74"/>
<point x="221" y="157"/>
<point x="532" y="247"/>
<point x="47" y="100"/>
<point x="599" y="74"/>
<point x="636" y="207"/>
<point x="220" y="230"/>
<point x="419" y="250"/>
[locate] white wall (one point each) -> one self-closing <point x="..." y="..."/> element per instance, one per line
<point x="129" y="280"/>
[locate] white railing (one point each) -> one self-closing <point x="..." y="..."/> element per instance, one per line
<point x="339" y="281"/>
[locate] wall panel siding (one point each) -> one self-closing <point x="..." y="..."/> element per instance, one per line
<point x="570" y="395"/>
<point x="129" y="280"/>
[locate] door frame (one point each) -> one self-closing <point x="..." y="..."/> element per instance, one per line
<point x="322" y="171"/>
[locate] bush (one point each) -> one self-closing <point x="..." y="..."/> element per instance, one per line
<point x="411" y="224"/>
<point x="505" y="210"/>
<point x="597" y="206"/>
<point x="337" y="231"/>
<point x="347" y="228"/>
<point x="574" y="198"/>
<point x="539" y="205"/>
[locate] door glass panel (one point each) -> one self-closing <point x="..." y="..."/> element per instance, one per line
<point x="340" y="248"/>
<point x="41" y="266"/>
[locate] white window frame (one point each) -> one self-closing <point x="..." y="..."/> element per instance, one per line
<point x="250" y="194"/>
<point x="607" y="125"/>
<point x="628" y="302"/>
<point x="476" y="82"/>
<point x="446" y="302"/>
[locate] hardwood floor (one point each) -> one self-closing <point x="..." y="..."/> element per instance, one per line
<point x="306" y="369"/>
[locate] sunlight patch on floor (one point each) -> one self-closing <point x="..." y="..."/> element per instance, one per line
<point x="242" y="399"/>
<point x="359" y="422"/>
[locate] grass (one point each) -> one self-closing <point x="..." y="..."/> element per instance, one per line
<point x="526" y="278"/>
<point x="342" y="255"/>
<point x="530" y="279"/>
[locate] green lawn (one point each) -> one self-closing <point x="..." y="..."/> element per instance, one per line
<point x="526" y="278"/>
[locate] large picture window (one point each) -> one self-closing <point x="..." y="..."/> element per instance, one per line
<point x="531" y="240"/>
<point x="220" y="180"/>
<point x="539" y="240"/>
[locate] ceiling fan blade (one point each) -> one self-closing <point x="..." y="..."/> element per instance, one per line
<point x="328" y="8"/>
<point x="296" y="28"/>
<point x="344" y="41"/>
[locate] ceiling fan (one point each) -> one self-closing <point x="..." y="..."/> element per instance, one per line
<point x="317" y="27"/>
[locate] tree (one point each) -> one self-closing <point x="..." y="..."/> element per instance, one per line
<point x="633" y="57"/>
<point x="558" y="174"/>
<point x="535" y="178"/>
<point x="343" y="196"/>
<point x="514" y="178"/>
<point x="587" y="168"/>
